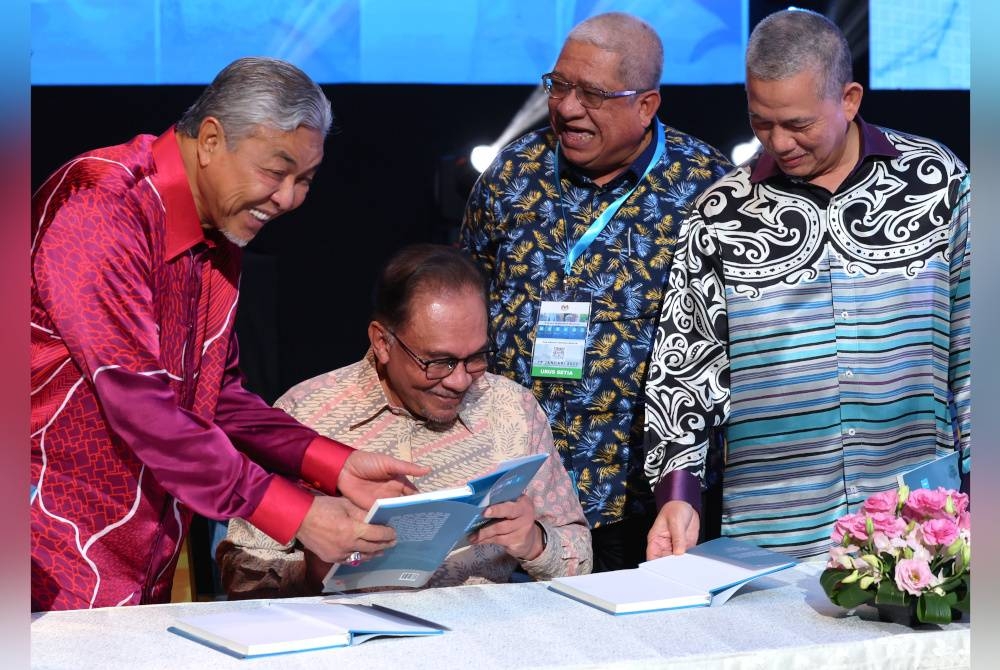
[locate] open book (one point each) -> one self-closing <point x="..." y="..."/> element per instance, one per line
<point x="282" y="627"/>
<point x="430" y="525"/>
<point x="708" y="574"/>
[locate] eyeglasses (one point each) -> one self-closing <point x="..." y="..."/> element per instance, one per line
<point x="589" y="96"/>
<point x="439" y="368"/>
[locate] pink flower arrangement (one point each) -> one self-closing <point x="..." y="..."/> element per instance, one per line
<point x="907" y="548"/>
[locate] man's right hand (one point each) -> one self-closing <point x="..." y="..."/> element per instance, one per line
<point x="674" y="531"/>
<point x="334" y="528"/>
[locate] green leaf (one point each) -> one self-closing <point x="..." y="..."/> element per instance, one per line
<point x="932" y="608"/>
<point x="829" y="580"/>
<point x="846" y="595"/>
<point x="889" y="594"/>
<point x="851" y="596"/>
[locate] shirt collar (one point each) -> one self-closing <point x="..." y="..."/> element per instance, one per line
<point x="184" y="229"/>
<point x="373" y="401"/>
<point x="635" y="169"/>
<point x="873" y="143"/>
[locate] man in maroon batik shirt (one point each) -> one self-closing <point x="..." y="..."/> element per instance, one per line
<point x="138" y="412"/>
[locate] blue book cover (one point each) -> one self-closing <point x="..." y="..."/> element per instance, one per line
<point x="941" y="472"/>
<point x="430" y="525"/>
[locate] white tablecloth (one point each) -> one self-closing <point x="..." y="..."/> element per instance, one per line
<point x="781" y="621"/>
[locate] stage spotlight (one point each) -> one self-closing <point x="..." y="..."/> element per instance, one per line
<point x="482" y="156"/>
<point x="530" y="115"/>
<point x="744" y="151"/>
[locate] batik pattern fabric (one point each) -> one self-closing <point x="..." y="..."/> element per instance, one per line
<point x="498" y="420"/>
<point x="137" y="402"/>
<point x="519" y="231"/>
<point x="827" y="333"/>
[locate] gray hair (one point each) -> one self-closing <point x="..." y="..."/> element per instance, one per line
<point x="251" y="92"/>
<point x="633" y="39"/>
<point x="791" y="41"/>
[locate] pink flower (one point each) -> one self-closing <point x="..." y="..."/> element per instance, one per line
<point x="850" y="524"/>
<point x="960" y="500"/>
<point x="881" y="502"/>
<point x="965" y="521"/>
<point x="913" y="575"/>
<point x="926" y="504"/>
<point x="888" y="523"/>
<point x="939" y="531"/>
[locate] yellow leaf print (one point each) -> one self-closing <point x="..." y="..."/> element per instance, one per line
<point x="627" y="390"/>
<point x="583" y="482"/>
<point x="608" y="472"/>
<point x="673" y="173"/>
<point x="529" y="168"/>
<point x="614" y="508"/>
<point x="640" y="267"/>
<point x="606" y="455"/>
<point x="521" y="250"/>
<point x="607" y="315"/>
<point x="518" y="269"/>
<point x="525" y="218"/>
<point x="593" y="265"/>
<point x="699" y="174"/>
<point x="550" y="282"/>
<point x="542" y="240"/>
<point x="599" y="366"/>
<point x="528" y="200"/>
<point x="533" y="152"/>
<point x="507" y="171"/>
<point x="602" y="346"/>
<point x="575" y="427"/>
<point x="630" y="212"/>
<point x="655" y="184"/>
<point x="622" y="278"/>
<point x="602" y="403"/>
<point x="639" y="374"/>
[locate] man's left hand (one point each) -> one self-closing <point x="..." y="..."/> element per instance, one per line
<point x="367" y="476"/>
<point x="514" y="529"/>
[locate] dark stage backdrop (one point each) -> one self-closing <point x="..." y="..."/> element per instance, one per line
<point x="395" y="172"/>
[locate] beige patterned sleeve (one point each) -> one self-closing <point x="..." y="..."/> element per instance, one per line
<point x="252" y="565"/>
<point x="568" y="549"/>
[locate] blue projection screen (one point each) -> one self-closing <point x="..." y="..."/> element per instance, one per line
<point x="362" y="41"/>
<point x="919" y="44"/>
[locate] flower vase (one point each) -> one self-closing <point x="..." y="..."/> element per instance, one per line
<point x="904" y="615"/>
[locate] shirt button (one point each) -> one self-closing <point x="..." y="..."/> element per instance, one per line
<point x="852" y="490"/>
<point x="844" y="314"/>
<point x="851" y="431"/>
<point x="849" y="373"/>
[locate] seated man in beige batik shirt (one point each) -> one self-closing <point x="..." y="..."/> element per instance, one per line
<point x="422" y="393"/>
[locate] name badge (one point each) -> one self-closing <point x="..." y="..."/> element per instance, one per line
<point x="560" y="339"/>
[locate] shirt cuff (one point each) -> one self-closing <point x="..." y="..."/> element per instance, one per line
<point x="322" y="462"/>
<point x="281" y="510"/>
<point x="678" y="485"/>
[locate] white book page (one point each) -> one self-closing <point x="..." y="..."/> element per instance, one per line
<point x="630" y="591"/>
<point x="265" y="630"/>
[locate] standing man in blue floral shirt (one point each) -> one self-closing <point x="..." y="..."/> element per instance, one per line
<point x="575" y="227"/>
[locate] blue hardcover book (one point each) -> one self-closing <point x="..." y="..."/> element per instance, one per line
<point x="430" y="525"/>
<point x="941" y="472"/>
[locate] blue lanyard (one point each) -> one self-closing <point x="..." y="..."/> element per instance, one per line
<point x="601" y="221"/>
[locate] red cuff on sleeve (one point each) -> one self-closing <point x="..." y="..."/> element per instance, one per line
<point x="322" y="462"/>
<point x="281" y="510"/>
<point x="678" y="485"/>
